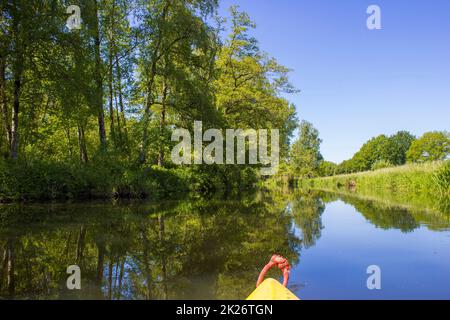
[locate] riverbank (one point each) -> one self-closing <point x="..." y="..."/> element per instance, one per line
<point x="40" y="181"/>
<point x="29" y="181"/>
<point x="426" y="185"/>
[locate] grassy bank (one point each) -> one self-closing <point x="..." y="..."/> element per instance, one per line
<point x="29" y="181"/>
<point x="41" y="180"/>
<point x="426" y="185"/>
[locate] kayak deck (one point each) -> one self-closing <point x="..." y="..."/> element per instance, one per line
<point x="271" y="289"/>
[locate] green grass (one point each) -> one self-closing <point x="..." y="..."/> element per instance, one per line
<point x="426" y="185"/>
<point x="40" y="180"/>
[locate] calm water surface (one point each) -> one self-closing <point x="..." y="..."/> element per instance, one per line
<point x="214" y="249"/>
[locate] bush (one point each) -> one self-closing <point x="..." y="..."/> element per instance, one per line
<point x="41" y="180"/>
<point x="102" y="178"/>
<point x="37" y="180"/>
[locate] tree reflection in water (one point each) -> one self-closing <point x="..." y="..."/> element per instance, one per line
<point x="177" y="250"/>
<point x="193" y="249"/>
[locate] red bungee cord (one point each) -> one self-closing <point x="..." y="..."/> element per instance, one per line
<point x="281" y="263"/>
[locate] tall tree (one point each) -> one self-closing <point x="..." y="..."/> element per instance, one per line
<point x="166" y="25"/>
<point x="4" y="110"/>
<point x="20" y="23"/>
<point x="98" y="74"/>
<point x="249" y="84"/>
<point x="305" y="154"/>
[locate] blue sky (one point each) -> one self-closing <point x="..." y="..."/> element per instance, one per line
<point x="356" y="83"/>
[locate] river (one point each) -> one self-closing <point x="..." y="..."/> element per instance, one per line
<point x="214" y="249"/>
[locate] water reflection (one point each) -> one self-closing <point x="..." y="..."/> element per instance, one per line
<point x="196" y="249"/>
<point x="307" y="216"/>
<point x="193" y="249"/>
<point x="386" y="215"/>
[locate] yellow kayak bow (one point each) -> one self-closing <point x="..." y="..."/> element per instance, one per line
<point x="271" y="289"/>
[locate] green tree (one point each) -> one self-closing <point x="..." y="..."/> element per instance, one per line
<point x="431" y="146"/>
<point x="374" y="150"/>
<point x="305" y="153"/>
<point x="327" y="169"/>
<point x="167" y="26"/>
<point x="106" y="97"/>
<point x="379" y="152"/>
<point x="249" y="84"/>
<point x="398" y="146"/>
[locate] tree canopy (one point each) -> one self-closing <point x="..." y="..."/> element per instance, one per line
<point x="431" y="146"/>
<point x="305" y="153"/>
<point x="109" y="94"/>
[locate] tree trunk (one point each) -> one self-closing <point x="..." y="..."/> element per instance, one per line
<point x="99" y="79"/>
<point x="18" y="67"/>
<point x="117" y="113"/>
<point x="146" y="120"/>
<point x="14" y="150"/>
<point x="3" y="102"/>
<point x="162" y="126"/>
<point x="69" y="141"/>
<point x="121" y="104"/>
<point x="111" y="111"/>
<point x="111" y="74"/>
<point x="147" y="112"/>
<point x="82" y="144"/>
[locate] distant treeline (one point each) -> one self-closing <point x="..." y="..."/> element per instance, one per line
<point x="396" y="150"/>
<point x="400" y="168"/>
<point x="382" y="151"/>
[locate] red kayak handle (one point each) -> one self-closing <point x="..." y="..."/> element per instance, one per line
<point x="281" y="263"/>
